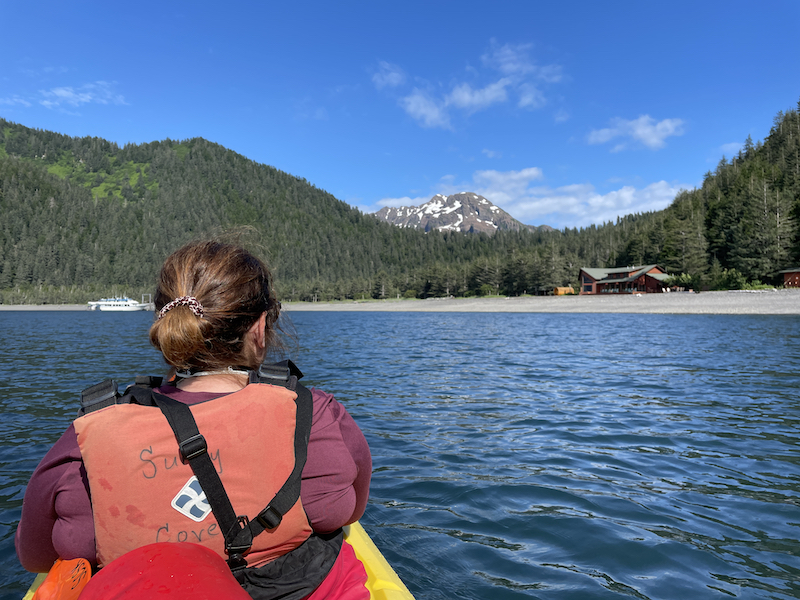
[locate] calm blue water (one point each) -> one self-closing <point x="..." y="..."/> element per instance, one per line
<point x="516" y="456"/>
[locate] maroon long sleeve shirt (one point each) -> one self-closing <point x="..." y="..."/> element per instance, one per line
<point x="57" y="513"/>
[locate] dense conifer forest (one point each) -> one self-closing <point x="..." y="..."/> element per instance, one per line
<point x="84" y="218"/>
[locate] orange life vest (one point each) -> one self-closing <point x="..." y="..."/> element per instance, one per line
<point x="142" y="493"/>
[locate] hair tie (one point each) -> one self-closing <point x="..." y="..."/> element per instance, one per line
<point x="188" y="301"/>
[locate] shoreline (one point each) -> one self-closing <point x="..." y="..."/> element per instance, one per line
<point x="739" y="302"/>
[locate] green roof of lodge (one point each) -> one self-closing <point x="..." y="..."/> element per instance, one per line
<point x="601" y="275"/>
<point x="795" y="270"/>
<point x="595" y="273"/>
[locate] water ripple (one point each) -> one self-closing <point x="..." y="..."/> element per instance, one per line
<point x="515" y="456"/>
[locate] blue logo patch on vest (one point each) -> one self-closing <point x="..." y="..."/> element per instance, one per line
<point x="191" y="501"/>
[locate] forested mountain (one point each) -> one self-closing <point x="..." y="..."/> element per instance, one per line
<point x="87" y="217"/>
<point x="82" y="217"/>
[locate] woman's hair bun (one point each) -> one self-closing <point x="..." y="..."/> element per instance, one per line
<point x="209" y="294"/>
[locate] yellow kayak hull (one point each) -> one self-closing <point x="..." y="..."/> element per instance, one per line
<point x="34" y="586"/>
<point x="382" y="582"/>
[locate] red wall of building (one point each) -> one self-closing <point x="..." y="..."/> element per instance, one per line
<point x="791" y="279"/>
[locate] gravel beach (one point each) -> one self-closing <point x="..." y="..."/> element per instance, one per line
<point x="762" y="302"/>
<point x="768" y="302"/>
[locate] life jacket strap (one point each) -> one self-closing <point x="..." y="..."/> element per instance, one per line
<point x="239" y="531"/>
<point x="286" y="374"/>
<point x="280" y="373"/>
<point x="98" y="396"/>
<point x="194" y="452"/>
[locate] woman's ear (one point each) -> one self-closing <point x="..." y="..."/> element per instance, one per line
<point x="258" y="331"/>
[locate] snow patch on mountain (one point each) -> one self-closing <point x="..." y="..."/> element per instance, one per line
<point x="465" y="211"/>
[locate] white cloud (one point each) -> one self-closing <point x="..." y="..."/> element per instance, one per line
<point x="388" y="75"/>
<point x="511" y="59"/>
<point x="644" y="130"/>
<point x="580" y="205"/>
<point x="731" y="149"/>
<point x="425" y="109"/>
<point x="521" y="80"/>
<point x="434" y="112"/>
<point x="576" y="205"/>
<point x="503" y="188"/>
<point x="65" y="95"/>
<point x="506" y="184"/>
<point x="42" y="72"/>
<point x="100" y="92"/>
<point x="463" y="96"/>
<point x="404" y="201"/>
<point x="14" y="101"/>
<point x="550" y="73"/>
<point x="491" y="153"/>
<point x="561" y="116"/>
<point x="530" y="96"/>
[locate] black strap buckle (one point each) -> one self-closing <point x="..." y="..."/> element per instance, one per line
<point x="269" y="518"/>
<point x="236" y="562"/>
<point x="277" y="374"/>
<point x="193" y="447"/>
<point x="274" y="372"/>
<point x="238" y="542"/>
<point x="148" y="381"/>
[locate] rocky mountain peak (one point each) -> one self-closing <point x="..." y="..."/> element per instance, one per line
<point x="465" y="211"/>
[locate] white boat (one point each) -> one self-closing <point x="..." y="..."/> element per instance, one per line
<point x="119" y="304"/>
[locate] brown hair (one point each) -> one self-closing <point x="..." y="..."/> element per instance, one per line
<point x="233" y="287"/>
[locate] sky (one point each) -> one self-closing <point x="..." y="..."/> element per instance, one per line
<point x="564" y="114"/>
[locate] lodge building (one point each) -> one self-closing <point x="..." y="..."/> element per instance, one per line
<point x="623" y="280"/>
<point x="791" y="277"/>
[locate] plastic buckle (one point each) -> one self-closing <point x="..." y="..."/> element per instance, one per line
<point x="278" y="372"/>
<point x="236" y="562"/>
<point x="193" y="447"/>
<point x="242" y="541"/>
<point x="269" y="518"/>
<point x="150" y="381"/>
